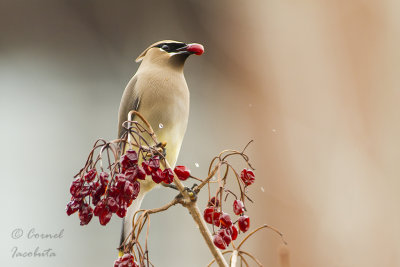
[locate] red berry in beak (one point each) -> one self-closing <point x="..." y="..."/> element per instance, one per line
<point x="244" y="223"/>
<point x="197" y="49"/>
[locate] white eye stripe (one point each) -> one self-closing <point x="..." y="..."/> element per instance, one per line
<point x="176" y="53"/>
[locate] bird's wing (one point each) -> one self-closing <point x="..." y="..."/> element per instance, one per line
<point x="130" y="101"/>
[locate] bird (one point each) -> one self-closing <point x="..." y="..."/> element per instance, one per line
<point x="159" y="92"/>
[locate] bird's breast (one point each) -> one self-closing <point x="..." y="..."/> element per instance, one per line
<point x="165" y="104"/>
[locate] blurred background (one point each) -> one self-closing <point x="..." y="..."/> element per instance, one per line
<point x="314" y="83"/>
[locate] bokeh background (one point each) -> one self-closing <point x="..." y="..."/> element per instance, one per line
<point x="314" y="83"/>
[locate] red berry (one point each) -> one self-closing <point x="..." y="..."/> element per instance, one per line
<point x="75" y="188"/>
<point x="122" y="210"/>
<point x="127" y="190"/>
<point x="212" y="216"/>
<point x="225" y="236"/>
<point x="105" y="217"/>
<point x="244" y="223"/>
<point x="103" y="178"/>
<point x="84" y="192"/>
<point x="130" y="159"/>
<point x="219" y="242"/>
<point x="112" y="204"/>
<point x="136" y="189"/>
<point x="90" y="175"/>
<point x="214" y="202"/>
<point x="234" y="232"/>
<point x="141" y="174"/>
<point x="127" y="258"/>
<point x="225" y="220"/>
<point x="168" y="176"/>
<point x="157" y="176"/>
<point x="72" y="207"/>
<point x="247" y="176"/>
<point x="85" y="214"/>
<point x="130" y="174"/>
<point x="208" y="215"/>
<point x="238" y="207"/>
<point x="182" y="172"/>
<point x="100" y="207"/>
<point x="154" y="164"/>
<point x="146" y="168"/>
<point x="117" y="262"/>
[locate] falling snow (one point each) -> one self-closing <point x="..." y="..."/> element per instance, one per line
<point x="262" y="189"/>
<point x="196" y="164"/>
<point x="161" y="125"/>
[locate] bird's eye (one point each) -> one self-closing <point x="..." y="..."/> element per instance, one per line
<point x="165" y="47"/>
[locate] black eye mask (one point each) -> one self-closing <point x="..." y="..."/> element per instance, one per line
<point x="170" y="47"/>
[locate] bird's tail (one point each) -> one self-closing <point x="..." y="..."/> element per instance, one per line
<point x="127" y="221"/>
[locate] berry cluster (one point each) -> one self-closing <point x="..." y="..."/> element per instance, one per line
<point x="127" y="260"/>
<point x="115" y="195"/>
<point x="214" y="215"/>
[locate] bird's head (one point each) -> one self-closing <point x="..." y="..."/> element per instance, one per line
<point x="170" y="52"/>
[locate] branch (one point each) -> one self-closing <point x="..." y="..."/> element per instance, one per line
<point x="191" y="205"/>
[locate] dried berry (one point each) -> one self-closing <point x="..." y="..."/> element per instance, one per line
<point x="182" y="172"/>
<point x="90" y="175"/>
<point x="168" y="176"/>
<point x="85" y="214"/>
<point x="157" y="176"/>
<point x="247" y="176"/>
<point x="73" y="207"/>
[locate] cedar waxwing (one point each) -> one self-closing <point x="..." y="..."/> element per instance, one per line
<point x="159" y="92"/>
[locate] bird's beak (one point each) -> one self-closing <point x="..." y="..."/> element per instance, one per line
<point x="197" y="49"/>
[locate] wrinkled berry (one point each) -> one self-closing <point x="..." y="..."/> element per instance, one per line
<point x="90" y="175"/>
<point x="247" y="176"/>
<point x="157" y="176"/>
<point x="72" y="207"/>
<point x="168" y="176"/>
<point x="182" y="172"/>
<point x="85" y="214"/>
